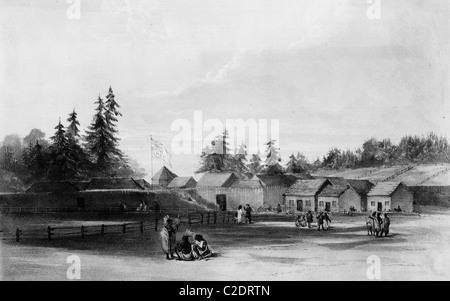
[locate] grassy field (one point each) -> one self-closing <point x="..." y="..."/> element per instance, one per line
<point x="418" y="248"/>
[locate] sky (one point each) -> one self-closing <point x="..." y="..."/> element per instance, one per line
<point x="332" y="73"/>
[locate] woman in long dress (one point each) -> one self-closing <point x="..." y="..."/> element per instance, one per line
<point x="240" y="212"/>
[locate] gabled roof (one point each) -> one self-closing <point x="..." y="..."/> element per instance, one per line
<point x="277" y="180"/>
<point x="41" y="187"/>
<point x="211" y="179"/>
<point x="385" y="188"/>
<point x="362" y="187"/>
<point x="182" y="182"/>
<point x="307" y="187"/>
<point x="164" y="174"/>
<point x="114" y="184"/>
<point x="334" y="190"/>
<point x="337" y="181"/>
<point x="253" y="183"/>
<point x="144" y="184"/>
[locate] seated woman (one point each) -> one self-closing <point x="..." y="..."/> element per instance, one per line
<point x="201" y="248"/>
<point x="184" y="249"/>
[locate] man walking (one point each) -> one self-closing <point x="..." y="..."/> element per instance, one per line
<point x="248" y="214"/>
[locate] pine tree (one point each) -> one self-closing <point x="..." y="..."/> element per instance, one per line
<point x="111" y="114"/>
<point x="293" y="166"/>
<point x="63" y="167"/>
<point x="255" y="165"/>
<point x="76" y="151"/>
<point x="72" y="130"/>
<point x="240" y="160"/>
<point x="273" y="156"/>
<point x="99" y="140"/>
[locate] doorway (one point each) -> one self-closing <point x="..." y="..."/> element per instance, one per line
<point x="299" y="205"/>
<point x="380" y="206"/>
<point x="221" y="200"/>
<point x="327" y="206"/>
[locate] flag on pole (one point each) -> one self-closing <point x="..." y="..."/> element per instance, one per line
<point x="159" y="151"/>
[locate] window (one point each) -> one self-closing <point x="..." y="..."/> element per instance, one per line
<point x="372" y="204"/>
<point x="308" y="203"/>
<point x="321" y="204"/>
<point x="334" y="204"/>
<point x="386" y="203"/>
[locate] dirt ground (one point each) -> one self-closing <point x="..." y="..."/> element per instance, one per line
<point x="417" y="249"/>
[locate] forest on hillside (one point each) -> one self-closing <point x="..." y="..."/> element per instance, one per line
<point x="429" y="148"/>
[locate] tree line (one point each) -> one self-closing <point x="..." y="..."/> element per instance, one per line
<point x="68" y="155"/>
<point x="429" y="148"/>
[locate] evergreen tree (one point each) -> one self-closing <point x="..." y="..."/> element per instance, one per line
<point x="273" y="156"/>
<point x="111" y="114"/>
<point x="37" y="161"/>
<point x="76" y="152"/>
<point x="99" y="140"/>
<point x="255" y="165"/>
<point x="72" y="130"/>
<point x="63" y="167"/>
<point x="240" y="159"/>
<point x="293" y="166"/>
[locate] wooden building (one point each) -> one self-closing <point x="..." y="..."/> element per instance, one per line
<point x="386" y="196"/>
<point x="303" y="195"/>
<point x="163" y="177"/>
<point x="182" y="183"/>
<point x="338" y="198"/>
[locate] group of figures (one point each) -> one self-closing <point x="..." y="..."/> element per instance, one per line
<point x="191" y="247"/>
<point x="306" y="220"/>
<point x="378" y="224"/>
<point x="244" y="212"/>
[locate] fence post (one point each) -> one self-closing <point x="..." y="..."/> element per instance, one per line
<point x="215" y="217"/>
<point x="17" y="234"/>
<point x="142" y="227"/>
<point x="83" y="231"/>
<point x="202" y="218"/>
<point x="49" y="232"/>
<point x="103" y="229"/>
<point x="223" y="217"/>
<point x="189" y="220"/>
<point x="124" y="228"/>
<point x="156" y="224"/>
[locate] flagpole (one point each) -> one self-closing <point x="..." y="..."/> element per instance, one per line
<point x="151" y="156"/>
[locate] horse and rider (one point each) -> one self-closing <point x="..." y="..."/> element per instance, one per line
<point x="378" y="224"/>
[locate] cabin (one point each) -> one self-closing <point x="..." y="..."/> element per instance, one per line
<point x="362" y="188"/>
<point x="303" y="195"/>
<point x="387" y="196"/>
<point x="275" y="186"/>
<point x="163" y="177"/>
<point x="338" y="198"/>
<point x="182" y="183"/>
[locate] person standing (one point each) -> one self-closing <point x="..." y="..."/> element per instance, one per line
<point x="168" y="237"/>
<point x="320" y="219"/>
<point x="240" y="212"/>
<point x="309" y="218"/>
<point x="248" y="214"/>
